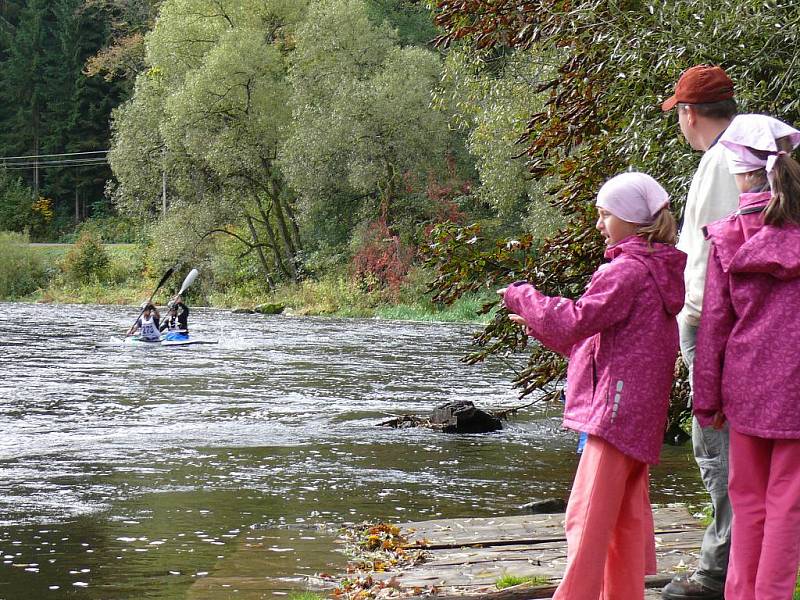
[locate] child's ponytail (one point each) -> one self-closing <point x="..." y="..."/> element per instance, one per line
<point x="784" y="206"/>
<point x="663" y="230"/>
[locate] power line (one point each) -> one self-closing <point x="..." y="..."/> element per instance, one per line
<point x="59" y="165"/>
<point x="44" y="163"/>
<point x="65" y="159"/>
<point x="4" y="158"/>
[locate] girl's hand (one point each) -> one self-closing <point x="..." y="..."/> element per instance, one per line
<point x="502" y="291"/>
<point x="517" y="319"/>
<point x="718" y="422"/>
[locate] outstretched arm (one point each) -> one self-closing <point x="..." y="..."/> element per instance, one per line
<point x="559" y="323"/>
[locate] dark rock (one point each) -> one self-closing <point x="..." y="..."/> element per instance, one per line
<point x="546" y="506"/>
<point x="463" y="417"/>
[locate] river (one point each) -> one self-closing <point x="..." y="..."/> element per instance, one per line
<point x="132" y="472"/>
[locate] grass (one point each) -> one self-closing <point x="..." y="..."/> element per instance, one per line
<point x="506" y="581"/>
<point x="337" y="296"/>
<point x="305" y="596"/>
<point x="464" y="310"/>
<point x="53" y="253"/>
<point x="704" y="513"/>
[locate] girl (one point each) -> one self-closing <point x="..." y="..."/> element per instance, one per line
<point x="621" y="338"/>
<point x="747" y="366"/>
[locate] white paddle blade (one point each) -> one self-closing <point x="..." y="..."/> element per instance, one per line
<point x="189" y="280"/>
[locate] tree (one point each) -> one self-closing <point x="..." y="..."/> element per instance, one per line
<point x="122" y="57"/>
<point x="209" y="115"/>
<point x="362" y="123"/>
<point x="613" y="63"/>
<point x="48" y="105"/>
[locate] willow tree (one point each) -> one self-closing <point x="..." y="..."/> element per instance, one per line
<point x="611" y="63"/>
<point x="362" y="120"/>
<point x="205" y="124"/>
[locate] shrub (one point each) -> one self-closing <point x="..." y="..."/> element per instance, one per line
<point x="113" y="229"/>
<point x="21" y="270"/>
<point x="382" y="260"/>
<point x="88" y="259"/>
<point x="16" y="203"/>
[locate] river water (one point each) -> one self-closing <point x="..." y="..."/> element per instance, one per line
<point x="224" y="471"/>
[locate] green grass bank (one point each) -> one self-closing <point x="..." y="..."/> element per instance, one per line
<point x="115" y="274"/>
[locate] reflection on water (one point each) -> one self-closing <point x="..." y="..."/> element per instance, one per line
<point x="144" y="472"/>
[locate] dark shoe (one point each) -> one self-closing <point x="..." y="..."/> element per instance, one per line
<point x="683" y="588"/>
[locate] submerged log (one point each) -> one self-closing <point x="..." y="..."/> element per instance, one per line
<point x="452" y="417"/>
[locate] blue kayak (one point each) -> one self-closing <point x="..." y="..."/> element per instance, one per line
<point x="170" y="339"/>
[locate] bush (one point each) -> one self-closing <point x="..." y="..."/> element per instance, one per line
<point x="113" y="229"/>
<point x="16" y="203"/>
<point x="21" y="270"/>
<point x="382" y="260"/>
<point x="87" y="260"/>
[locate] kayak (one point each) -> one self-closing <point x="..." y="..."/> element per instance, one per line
<point x="133" y="340"/>
<point x="185" y="342"/>
<point x="136" y="341"/>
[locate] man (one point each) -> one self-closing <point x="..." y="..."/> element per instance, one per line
<point x="705" y="105"/>
<point x="178" y="317"/>
<point x="147" y="324"/>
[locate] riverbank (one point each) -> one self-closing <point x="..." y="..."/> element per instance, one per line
<point x="311" y="298"/>
<point x="334" y="295"/>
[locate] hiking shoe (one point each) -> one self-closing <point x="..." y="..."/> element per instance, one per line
<point x="684" y="588"/>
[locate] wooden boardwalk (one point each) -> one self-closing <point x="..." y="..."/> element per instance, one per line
<point x="465" y="557"/>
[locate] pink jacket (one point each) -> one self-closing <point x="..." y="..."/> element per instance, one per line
<point x="621" y="338"/>
<point x="748" y="344"/>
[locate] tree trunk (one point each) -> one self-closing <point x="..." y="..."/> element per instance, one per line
<point x="291" y="249"/>
<point x="295" y="226"/>
<point x="276" y="249"/>
<point x="260" y="250"/>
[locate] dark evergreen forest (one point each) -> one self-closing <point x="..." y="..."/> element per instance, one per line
<point x="50" y="107"/>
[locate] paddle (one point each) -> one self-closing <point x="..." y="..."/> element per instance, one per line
<point x="161" y="282"/>
<point x="188" y="281"/>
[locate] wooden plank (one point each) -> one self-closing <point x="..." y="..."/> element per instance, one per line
<point x="465" y="557"/>
<point x="531" y="529"/>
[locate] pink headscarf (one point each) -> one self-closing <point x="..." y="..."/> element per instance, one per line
<point x="633" y="197"/>
<point x="756" y="132"/>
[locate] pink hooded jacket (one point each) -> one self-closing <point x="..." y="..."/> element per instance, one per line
<point x="621" y="338"/>
<point x="748" y="344"/>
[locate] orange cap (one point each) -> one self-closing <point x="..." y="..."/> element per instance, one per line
<point x="701" y="84"/>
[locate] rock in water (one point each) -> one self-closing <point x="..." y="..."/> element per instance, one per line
<point x="271" y="308"/>
<point x="546" y="506"/>
<point x="462" y="417"/>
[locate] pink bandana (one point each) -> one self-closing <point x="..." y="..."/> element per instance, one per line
<point x="756" y="132"/>
<point x="633" y="197"/>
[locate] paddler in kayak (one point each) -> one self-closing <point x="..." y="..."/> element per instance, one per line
<point x="147" y="324"/>
<point x="177" y="322"/>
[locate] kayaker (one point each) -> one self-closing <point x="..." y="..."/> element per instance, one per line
<point x="147" y="324"/>
<point x="177" y="320"/>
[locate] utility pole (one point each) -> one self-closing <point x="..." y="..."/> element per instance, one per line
<point x="36" y="169"/>
<point x="164" y="183"/>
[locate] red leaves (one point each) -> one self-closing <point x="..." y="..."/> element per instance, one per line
<point x="382" y="261"/>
